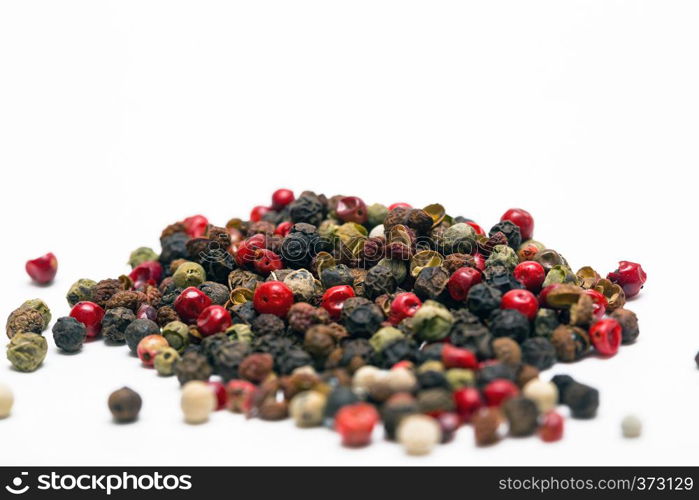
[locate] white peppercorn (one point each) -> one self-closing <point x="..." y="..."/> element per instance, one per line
<point x="544" y="394"/>
<point x="631" y="426"/>
<point x="365" y="377"/>
<point x="418" y="434"/>
<point x="197" y="402"/>
<point x="6" y="401"/>
<point x="308" y="408"/>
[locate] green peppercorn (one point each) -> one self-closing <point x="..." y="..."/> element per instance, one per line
<point x="189" y="274"/>
<point x="385" y="336"/>
<point x="80" y="291"/>
<point x="549" y="258"/>
<point x="240" y="332"/>
<point x="141" y="255"/>
<point x="125" y="404"/>
<point x="40" y="306"/>
<point x="376" y="214"/>
<point x="165" y="360"/>
<point x="503" y="255"/>
<point x="177" y="335"/>
<point x="459" y="238"/>
<point x="560" y="274"/>
<point x="397" y="267"/>
<point x="460" y="377"/>
<point x="432" y="321"/>
<point x="26" y="351"/>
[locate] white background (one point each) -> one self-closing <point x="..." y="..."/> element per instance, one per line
<point x="117" y="118"/>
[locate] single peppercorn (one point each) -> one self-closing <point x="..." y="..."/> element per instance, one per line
<point x="177" y="335"/>
<point x="69" y="334"/>
<point x="418" y="434"/>
<point x="26" y="351"/>
<point x="80" y="291"/>
<point x="509" y="323"/>
<point x="115" y="322"/>
<point x="631" y="426"/>
<point x="544" y="394"/>
<point x="362" y="320"/>
<point x="571" y="343"/>
<point x="103" y="290"/>
<point x="165" y="361"/>
<point x="266" y="324"/>
<point x="137" y="330"/>
<point x="7" y="399"/>
<point x="582" y="400"/>
<point x="24" y="320"/>
<point x="507" y="351"/>
<point x="227" y="357"/>
<point x="545" y="322"/>
<point x="40" y="306"/>
<point x="125" y="405"/>
<point x="192" y="366"/>
<point x="486" y="423"/>
<point x="198" y="401"/>
<point x="511" y="232"/>
<point x="539" y="352"/>
<point x="629" y="325"/>
<point x="308" y="408"/>
<point x="482" y="299"/>
<point x="522" y="414"/>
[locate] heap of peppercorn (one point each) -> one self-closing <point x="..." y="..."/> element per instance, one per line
<point x="348" y="315"/>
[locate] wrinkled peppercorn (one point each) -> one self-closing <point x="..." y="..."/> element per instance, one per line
<point x="539" y="352"/>
<point x="80" y="291"/>
<point x="522" y="414"/>
<point x="115" y="322"/>
<point x="24" y="320"/>
<point x="138" y="329"/>
<point x="26" y="351"/>
<point x="629" y="324"/>
<point x="482" y="299"/>
<point x="511" y="232"/>
<point x="570" y="342"/>
<point x="509" y="323"/>
<point x="192" y="366"/>
<point x="69" y="334"/>
<point x="582" y="400"/>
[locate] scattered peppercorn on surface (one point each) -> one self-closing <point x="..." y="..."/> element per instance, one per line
<point x="380" y="323"/>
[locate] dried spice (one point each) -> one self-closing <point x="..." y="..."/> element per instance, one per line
<point x="40" y="306"/>
<point x="125" y="405"/>
<point x="431" y="283"/>
<point x="26" y="351"/>
<point x="165" y="360"/>
<point x="69" y="334"/>
<point x="307" y="409"/>
<point x="507" y="351"/>
<point x="486" y="423"/>
<point x="538" y="352"/>
<point x="544" y="394"/>
<point x="138" y="329"/>
<point x="511" y="232"/>
<point x="7" y="399"/>
<point x="24" y="320"/>
<point x="631" y="426"/>
<point x="483" y="299"/>
<point x="629" y="324"/>
<point x="571" y="342"/>
<point x="582" y="400"/>
<point x="418" y="434"/>
<point x="103" y="290"/>
<point x="509" y="323"/>
<point x="522" y="414"/>
<point x="80" y="291"/>
<point x="198" y="401"/>
<point x="192" y="366"/>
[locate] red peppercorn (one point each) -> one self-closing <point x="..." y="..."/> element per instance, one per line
<point x="147" y="311"/>
<point x="629" y="276"/>
<point x="599" y="303"/>
<point x="146" y="273"/>
<point x="90" y="315"/>
<point x="458" y="357"/>
<point x="355" y="423"/>
<point x="240" y="395"/>
<point x="523" y="301"/>
<point x="149" y="347"/>
<point x="334" y="298"/>
<point x="461" y="282"/>
<point x="273" y="297"/>
<point x="497" y="391"/>
<point x="551" y="427"/>
<point x="196" y="226"/>
<point x="399" y="204"/>
<point x="190" y="303"/>
<point x="522" y="219"/>
<point x="247" y="250"/>
<point x="42" y="269"/>
<point x="531" y="274"/>
<point x="467" y="401"/>
<point x="404" y="305"/>
<point x="605" y="335"/>
<point x="220" y="393"/>
<point x="266" y="261"/>
<point x="479" y="230"/>
<point x="258" y="212"/>
<point x="281" y="198"/>
<point x="283" y="228"/>
<point x="213" y="319"/>
<point x="449" y="422"/>
<point x="352" y="209"/>
<point x="403" y="365"/>
<point x="479" y="260"/>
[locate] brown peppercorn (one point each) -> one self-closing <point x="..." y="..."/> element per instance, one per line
<point x="522" y="415"/>
<point x="153" y="295"/>
<point x="128" y="299"/>
<point x="396" y="408"/>
<point x="629" y="324"/>
<point x="239" y="278"/>
<point x="435" y="400"/>
<point x="24" y="320"/>
<point x="302" y="316"/>
<point x="571" y="342"/>
<point x="319" y="341"/>
<point x="273" y="410"/>
<point x="431" y="283"/>
<point x="192" y="366"/>
<point x="166" y="314"/>
<point x="455" y="261"/>
<point x="582" y="312"/>
<point x="104" y="290"/>
<point x="507" y="351"/>
<point x="261" y="227"/>
<point x="526" y="373"/>
<point x="125" y="404"/>
<point x="487" y="246"/>
<point x="256" y="367"/>
<point x="397" y="216"/>
<point x="177" y="227"/>
<point x="297" y="382"/>
<point x="486" y="423"/>
<point x="419" y="220"/>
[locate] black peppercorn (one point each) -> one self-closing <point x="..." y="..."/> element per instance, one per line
<point x="217" y="292"/>
<point x="562" y="382"/>
<point x="174" y="247"/>
<point x="468" y="332"/>
<point x="243" y="313"/>
<point x="545" y="323"/>
<point x="69" y="334"/>
<point x="292" y="359"/>
<point x="482" y="299"/>
<point x="192" y="366"/>
<point x="398" y="350"/>
<point x="138" y="329"/>
<point x="432" y="379"/>
<point x="522" y="415"/>
<point x="379" y="280"/>
<point x="227" y="358"/>
<point x="582" y="400"/>
<point x="363" y="320"/>
<point x="539" y="352"/>
<point x="431" y="282"/>
<point x="210" y="344"/>
<point x="509" y="323"/>
<point x="268" y="324"/>
<point x="125" y="404"/>
<point x="510" y="230"/>
<point x="308" y="209"/>
<point x="494" y="371"/>
<point x="104" y="290"/>
<point x="115" y="322"/>
<point x="298" y="250"/>
<point x="501" y="278"/>
<point x="394" y="410"/>
<point x="340" y="396"/>
<point x="436" y="400"/>
<point x="336" y="276"/>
